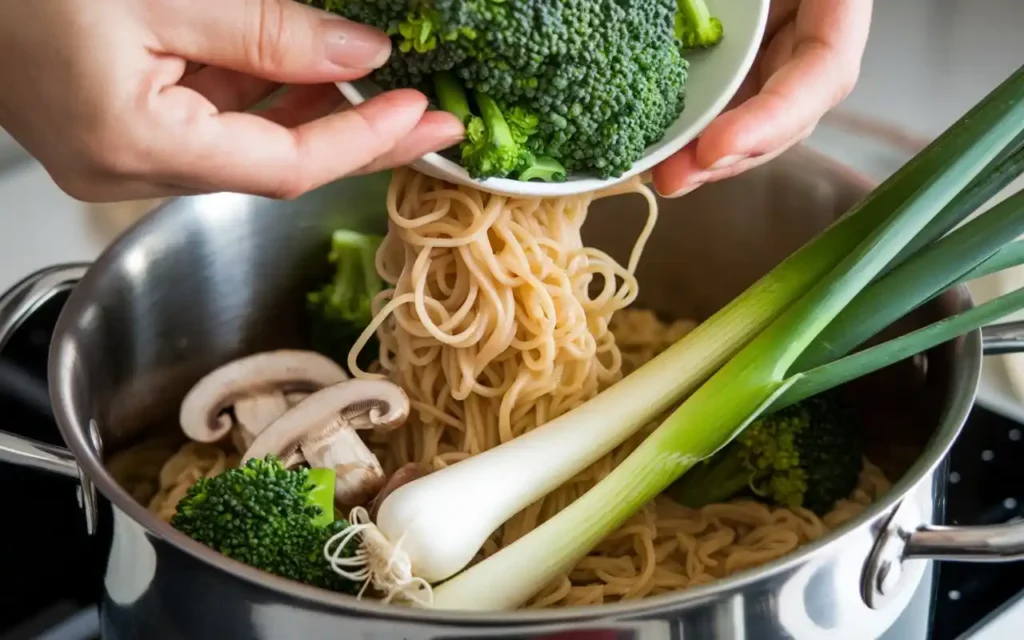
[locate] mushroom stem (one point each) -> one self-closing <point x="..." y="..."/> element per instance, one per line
<point x="358" y="474"/>
<point x="322" y="431"/>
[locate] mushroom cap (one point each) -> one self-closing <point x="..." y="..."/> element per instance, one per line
<point x="386" y="402"/>
<point x="284" y="370"/>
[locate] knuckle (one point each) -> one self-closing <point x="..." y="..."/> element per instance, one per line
<point x="268" y="36"/>
<point x="845" y="88"/>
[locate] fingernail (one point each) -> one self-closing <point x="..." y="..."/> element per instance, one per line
<point x="355" y="46"/>
<point x="726" y="162"/>
<point x="690" y="186"/>
<point x="451" y="140"/>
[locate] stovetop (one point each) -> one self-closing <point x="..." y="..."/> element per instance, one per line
<point x="51" y="573"/>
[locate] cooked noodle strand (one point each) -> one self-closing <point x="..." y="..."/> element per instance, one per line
<point x="498" y="319"/>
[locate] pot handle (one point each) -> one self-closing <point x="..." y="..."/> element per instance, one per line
<point x="905" y="538"/>
<point x="1003" y="339"/>
<point x="988" y="543"/>
<point x="15" y="307"/>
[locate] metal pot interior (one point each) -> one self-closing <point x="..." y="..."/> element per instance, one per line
<point x="205" y="280"/>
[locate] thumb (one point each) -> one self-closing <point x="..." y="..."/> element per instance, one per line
<point x="279" y="40"/>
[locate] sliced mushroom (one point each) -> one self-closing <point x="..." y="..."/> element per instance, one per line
<point x="404" y="475"/>
<point x="321" y="430"/>
<point x="254" y="414"/>
<point x="259" y="388"/>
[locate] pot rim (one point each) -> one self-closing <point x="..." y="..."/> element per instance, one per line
<point x="965" y="376"/>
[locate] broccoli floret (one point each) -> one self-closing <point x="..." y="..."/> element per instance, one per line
<point x="544" y="169"/>
<point x="268" y="517"/>
<point x="696" y="28"/>
<point x="490" y="150"/>
<point x="350" y="294"/>
<point x="603" y="78"/>
<point x="417" y="29"/>
<point x="497" y="141"/>
<point x="809" y="454"/>
<point x="342" y="308"/>
<point x="424" y="26"/>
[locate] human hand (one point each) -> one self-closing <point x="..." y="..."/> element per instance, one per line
<point x="131" y="99"/>
<point x="808" y="63"/>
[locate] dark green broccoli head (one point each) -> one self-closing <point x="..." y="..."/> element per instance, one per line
<point x="604" y="78"/>
<point x="349" y="295"/>
<point x="831" y="455"/>
<point x="809" y="455"/>
<point x="267" y="517"/>
<point x="341" y="309"/>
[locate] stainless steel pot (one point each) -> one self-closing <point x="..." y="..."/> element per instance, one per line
<point x="205" y="280"/>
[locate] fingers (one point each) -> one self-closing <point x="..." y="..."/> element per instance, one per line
<point x="300" y="104"/>
<point x="280" y="40"/>
<point x="253" y="154"/>
<point x="434" y="132"/>
<point x="810" y="66"/>
<point x="682" y="173"/>
<point x="229" y="90"/>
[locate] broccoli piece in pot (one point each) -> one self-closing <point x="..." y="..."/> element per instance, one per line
<point x="807" y="455"/>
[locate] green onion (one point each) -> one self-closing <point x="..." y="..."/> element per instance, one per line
<point x="1011" y="255"/>
<point x="864" y="362"/>
<point x="917" y="281"/>
<point x="1006" y="168"/>
<point x="762" y="374"/>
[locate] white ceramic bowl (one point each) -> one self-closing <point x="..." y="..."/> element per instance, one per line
<point x="715" y="77"/>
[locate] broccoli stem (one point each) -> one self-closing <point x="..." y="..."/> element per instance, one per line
<point x="544" y="168"/>
<point x="499" y="133"/>
<point x="494" y="148"/>
<point x="717" y="480"/>
<point x="321" y="495"/>
<point x="695" y="26"/>
<point x="451" y="96"/>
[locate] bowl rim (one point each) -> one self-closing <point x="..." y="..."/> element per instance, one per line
<point x="437" y="166"/>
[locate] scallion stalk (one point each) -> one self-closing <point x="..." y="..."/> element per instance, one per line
<point x="923" y="276"/>
<point x="750" y="382"/>
<point x="1011" y="255"/>
<point x="854" y="366"/>
<point x="1006" y="168"/>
